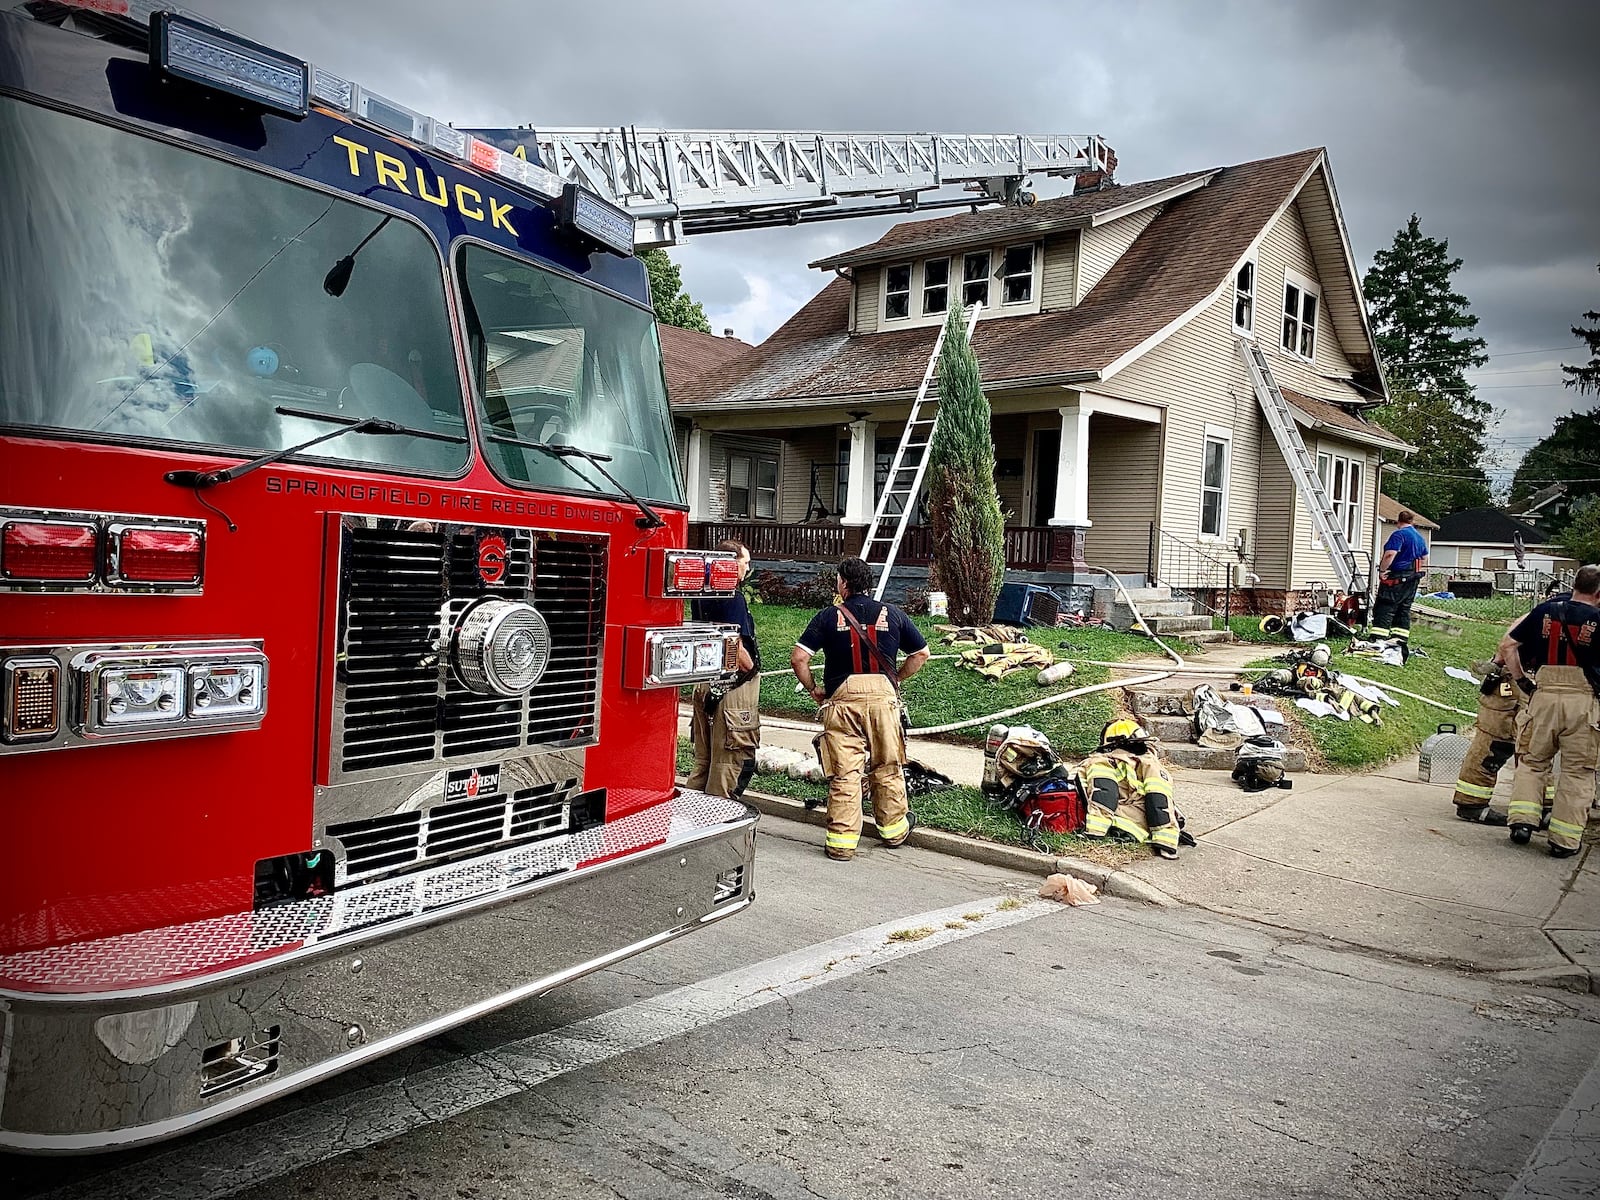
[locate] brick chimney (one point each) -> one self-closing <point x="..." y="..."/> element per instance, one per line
<point x="1090" y="181"/>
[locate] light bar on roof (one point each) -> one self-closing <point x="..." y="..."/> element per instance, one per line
<point x="607" y="224"/>
<point x="386" y="114"/>
<point x="203" y="54"/>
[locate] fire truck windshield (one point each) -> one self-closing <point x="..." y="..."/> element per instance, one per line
<point x="158" y="294"/>
<point x="558" y="362"/>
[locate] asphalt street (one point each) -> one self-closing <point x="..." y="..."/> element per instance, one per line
<point x="902" y="1026"/>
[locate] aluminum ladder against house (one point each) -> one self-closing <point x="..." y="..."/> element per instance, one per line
<point x="1302" y="468"/>
<point x="678" y="182"/>
<point x="910" y="463"/>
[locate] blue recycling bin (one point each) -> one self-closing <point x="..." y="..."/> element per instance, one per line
<point x="1026" y="604"/>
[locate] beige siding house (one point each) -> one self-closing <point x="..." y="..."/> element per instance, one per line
<point x="1127" y="434"/>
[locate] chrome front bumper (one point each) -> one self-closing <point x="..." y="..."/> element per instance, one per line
<point x="130" y="1039"/>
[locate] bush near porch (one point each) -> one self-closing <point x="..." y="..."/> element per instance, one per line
<point x="1354" y="746"/>
<point x="942" y="692"/>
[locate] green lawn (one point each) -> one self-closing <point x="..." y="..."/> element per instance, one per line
<point x="1352" y="745"/>
<point x="943" y="692"/>
<point x="963" y="810"/>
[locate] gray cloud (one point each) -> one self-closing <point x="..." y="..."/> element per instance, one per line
<point x="1479" y="115"/>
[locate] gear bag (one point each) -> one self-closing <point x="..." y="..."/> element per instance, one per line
<point x="1052" y="806"/>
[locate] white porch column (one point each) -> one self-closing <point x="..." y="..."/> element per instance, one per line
<point x="698" y="472"/>
<point x="1072" y="469"/>
<point x="860" y="499"/>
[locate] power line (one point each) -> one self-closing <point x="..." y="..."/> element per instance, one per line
<point x="1433" y="362"/>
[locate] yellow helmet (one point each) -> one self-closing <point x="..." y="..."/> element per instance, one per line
<point x="1271" y="624"/>
<point x="1124" y="732"/>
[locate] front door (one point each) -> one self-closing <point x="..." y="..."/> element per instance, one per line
<point x="1046" y="455"/>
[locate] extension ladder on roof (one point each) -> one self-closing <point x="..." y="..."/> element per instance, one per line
<point x="900" y="490"/>
<point x="1302" y="468"/>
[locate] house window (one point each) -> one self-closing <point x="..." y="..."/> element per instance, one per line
<point x="897" y="292"/>
<point x="1299" y="316"/>
<point x="975" y="278"/>
<point x="936" y="285"/>
<point x="752" y="488"/>
<point x="1344" y="484"/>
<point x="1016" y="284"/>
<point x="1244" y="297"/>
<point x="841" y="477"/>
<point x="1214" y="485"/>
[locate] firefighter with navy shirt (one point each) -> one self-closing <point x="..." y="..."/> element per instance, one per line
<point x="1559" y="643"/>
<point x="726" y="726"/>
<point x="860" y="706"/>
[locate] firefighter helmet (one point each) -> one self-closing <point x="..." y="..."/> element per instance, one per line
<point x="1321" y="655"/>
<point x="1124" y="734"/>
<point x="1271" y="624"/>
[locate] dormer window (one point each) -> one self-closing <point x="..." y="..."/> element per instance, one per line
<point x="936" y="285"/>
<point x="897" y="292"/>
<point x="1016" y="282"/>
<point x="975" y="278"/>
<point x="1244" y="297"/>
<point x="1299" y="316"/>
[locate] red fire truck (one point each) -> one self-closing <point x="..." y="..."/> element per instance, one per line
<point x="341" y="577"/>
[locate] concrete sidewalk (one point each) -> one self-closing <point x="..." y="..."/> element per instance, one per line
<point x="1376" y="861"/>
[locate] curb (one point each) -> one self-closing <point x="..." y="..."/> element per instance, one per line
<point x="1108" y="880"/>
<point x="1569" y="977"/>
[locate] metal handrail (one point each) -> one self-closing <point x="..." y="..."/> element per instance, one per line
<point x="1184" y="567"/>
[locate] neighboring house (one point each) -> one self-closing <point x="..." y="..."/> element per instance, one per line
<point x="1548" y="506"/>
<point x="1126" y="431"/>
<point x="1389" y="520"/>
<point x="1480" y="539"/>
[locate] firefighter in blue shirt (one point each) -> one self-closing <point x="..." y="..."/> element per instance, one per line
<point x="1405" y="558"/>
<point x="726" y="726"/>
<point x="860" y="701"/>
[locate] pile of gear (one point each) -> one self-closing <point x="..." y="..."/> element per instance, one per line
<point x="1318" y="689"/>
<point x="1121" y="790"/>
<point x="1259" y="762"/>
<point x="998" y="652"/>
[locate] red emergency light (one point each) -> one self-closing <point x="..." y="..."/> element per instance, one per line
<point x="688" y="573"/>
<point x="722" y="575"/>
<point x="156" y="556"/>
<point x="49" y="551"/>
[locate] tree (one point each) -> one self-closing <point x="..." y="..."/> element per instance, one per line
<point x="1586" y="379"/>
<point x="1582" y="537"/>
<point x="674" y="306"/>
<point x="1423" y="330"/>
<point x="968" y="525"/>
<point x="1571" y="451"/>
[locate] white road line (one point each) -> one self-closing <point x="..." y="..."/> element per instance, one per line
<point x="208" y="1168"/>
<point x="1565" y="1165"/>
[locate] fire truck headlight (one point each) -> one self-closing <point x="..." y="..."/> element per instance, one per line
<point x="138" y="696"/>
<point x="678" y="655"/>
<point x="226" y="690"/>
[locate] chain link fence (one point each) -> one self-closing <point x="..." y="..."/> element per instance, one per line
<point x="1498" y="597"/>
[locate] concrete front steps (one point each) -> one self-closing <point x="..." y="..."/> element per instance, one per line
<point x="1163" y="616"/>
<point x="1160" y="710"/>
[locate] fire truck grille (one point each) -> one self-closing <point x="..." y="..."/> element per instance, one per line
<point x="400" y="841"/>
<point x="400" y="705"/>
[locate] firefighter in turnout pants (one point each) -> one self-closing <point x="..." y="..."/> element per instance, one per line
<point x="1129" y="790"/>
<point x="1559" y="641"/>
<point x="860" y="706"/>
<point x="1494" y="742"/>
<point x="726" y="726"/>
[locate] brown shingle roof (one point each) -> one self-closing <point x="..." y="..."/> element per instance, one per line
<point x="1173" y="265"/>
<point x="688" y="354"/>
<point x="1064" y="212"/>
<point x="1389" y="513"/>
<point x="1337" y="417"/>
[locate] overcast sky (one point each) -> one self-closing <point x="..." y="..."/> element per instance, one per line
<point x="1481" y="116"/>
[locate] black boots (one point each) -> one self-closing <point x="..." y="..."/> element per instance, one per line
<point x="1522" y="834"/>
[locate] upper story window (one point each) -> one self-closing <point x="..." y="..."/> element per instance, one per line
<point x="897" y="292"/>
<point x="975" y="278"/>
<point x="1300" y="298"/>
<point x="1244" y="297"/>
<point x="936" y="285"/>
<point x="1016" y="275"/>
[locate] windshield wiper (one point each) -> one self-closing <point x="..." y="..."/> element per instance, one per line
<point x="651" y="518"/>
<point x="206" y="479"/>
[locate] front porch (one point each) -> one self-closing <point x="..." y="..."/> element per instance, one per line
<point x="1028" y="547"/>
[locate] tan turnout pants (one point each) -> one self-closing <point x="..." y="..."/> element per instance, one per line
<point x="1561" y="717"/>
<point x="1493" y="745"/>
<point x="726" y="740"/>
<point x="861" y="725"/>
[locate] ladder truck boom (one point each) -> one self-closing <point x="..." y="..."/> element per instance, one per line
<point x="681" y="182"/>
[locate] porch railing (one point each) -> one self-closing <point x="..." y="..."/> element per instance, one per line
<point x="1190" y="572"/>
<point x="1028" y="547"/>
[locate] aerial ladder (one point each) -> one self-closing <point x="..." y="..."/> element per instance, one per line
<point x="680" y="182"/>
